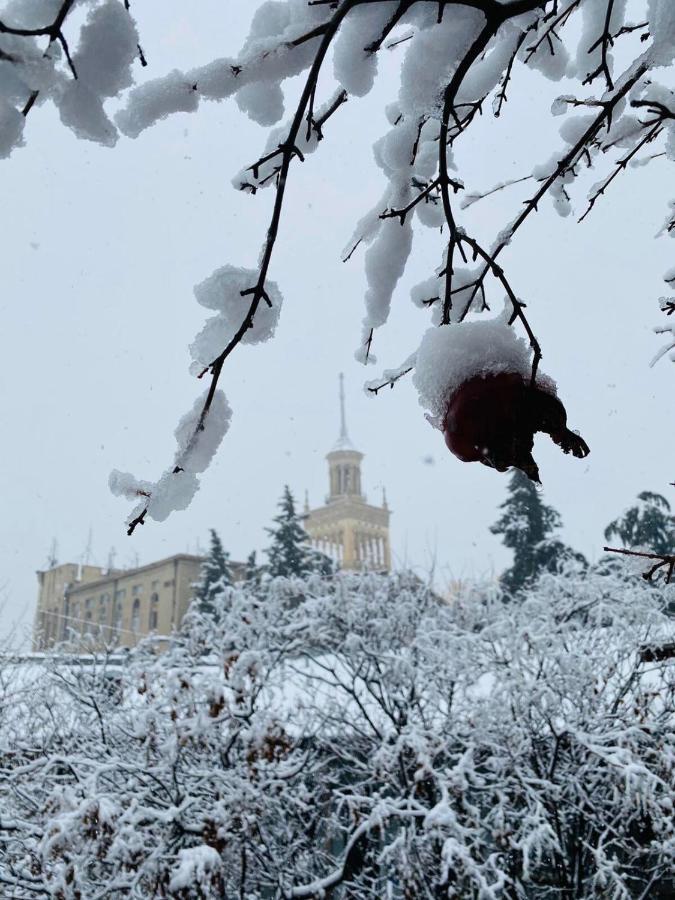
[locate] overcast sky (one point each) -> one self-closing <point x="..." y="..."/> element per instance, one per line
<point x="103" y="246"/>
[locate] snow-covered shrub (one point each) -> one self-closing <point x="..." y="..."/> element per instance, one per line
<point x="357" y="734"/>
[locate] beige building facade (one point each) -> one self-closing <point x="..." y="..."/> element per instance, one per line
<point x="116" y="607"/>
<point x="83" y="604"/>
<point x="352" y="532"/>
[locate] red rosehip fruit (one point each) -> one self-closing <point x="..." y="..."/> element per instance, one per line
<point x="492" y="419"/>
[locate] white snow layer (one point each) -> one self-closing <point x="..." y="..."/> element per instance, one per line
<point x="123" y="484"/>
<point x="196" y="866"/>
<point x="661" y="15"/>
<point x="452" y="354"/>
<point x="82" y="111"/>
<point x="106" y="50"/>
<point x="259" y="176"/>
<point x="11" y="128"/>
<point x="155" y="100"/>
<point x="261" y="101"/>
<point x="268" y="57"/>
<point x="355" y="66"/>
<point x="222" y="291"/>
<point x="432" y="58"/>
<point x="196" y="448"/>
<point x="593" y="14"/>
<point x="103" y="58"/>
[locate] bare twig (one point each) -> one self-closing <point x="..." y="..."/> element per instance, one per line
<point x="620" y="166"/>
<point x="287" y="152"/>
<point x="390" y="380"/>
<point x="564" y="165"/>
<point x="517" y="305"/>
<point x="663" y="561"/>
<point x="606" y="39"/>
<point x="54" y="32"/>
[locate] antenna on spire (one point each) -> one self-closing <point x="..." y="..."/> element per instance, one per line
<point x="88" y="550"/>
<point x="343" y="442"/>
<point x="53" y="555"/>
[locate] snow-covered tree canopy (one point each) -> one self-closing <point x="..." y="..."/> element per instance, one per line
<point x="460" y="60"/>
<point x="354" y="737"/>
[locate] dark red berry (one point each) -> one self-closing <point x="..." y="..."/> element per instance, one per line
<point x="493" y="420"/>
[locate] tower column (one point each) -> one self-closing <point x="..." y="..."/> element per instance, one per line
<point x="349" y="546"/>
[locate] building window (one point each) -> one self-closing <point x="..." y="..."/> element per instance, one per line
<point x="120" y="594"/>
<point x="87" y="603"/>
<point x="155" y="585"/>
<point x="168" y="583"/>
<point x="154" y="612"/>
<point x="136" y="590"/>
<point x="136" y="615"/>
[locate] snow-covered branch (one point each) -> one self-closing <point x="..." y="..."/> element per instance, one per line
<point x="459" y="60"/>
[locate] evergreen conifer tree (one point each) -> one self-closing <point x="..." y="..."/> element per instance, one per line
<point x="289" y="553"/>
<point x="648" y="524"/>
<point x="321" y="564"/>
<point x="252" y="572"/>
<point x="215" y="575"/>
<point x="527" y="526"/>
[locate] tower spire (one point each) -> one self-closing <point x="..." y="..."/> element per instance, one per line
<point x="343" y="442"/>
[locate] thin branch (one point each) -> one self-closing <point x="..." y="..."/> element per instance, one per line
<point x="389" y="379"/>
<point x="564" y="165"/>
<point x="500" y="97"/>
<point x="425" y="190"/>
<point x="287" y="151"/>
<point x="620" y="166"/>
<point x="401" y="10"/>
<point x="470" y="199"/>
<point x="663" y="561"/>
<point x="558" y="21"/>
<point x="606" y="39"/>
<point x="54" y="32"/>
<point x="518" y="305"/>
<point x="449" y="97"/>
<point x="29" y="103"/>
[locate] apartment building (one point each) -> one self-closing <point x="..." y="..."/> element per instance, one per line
<point x="117" y="606"/>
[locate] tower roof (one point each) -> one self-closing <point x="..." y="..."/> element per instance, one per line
<point x="343" y="442"/>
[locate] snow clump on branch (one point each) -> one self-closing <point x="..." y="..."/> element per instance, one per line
<point x="197" y="442"/>
<point x="447" y="357"/>
<point x="227" y="290"/>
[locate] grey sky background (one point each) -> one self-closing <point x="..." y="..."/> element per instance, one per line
<point x="102" y="248"/>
